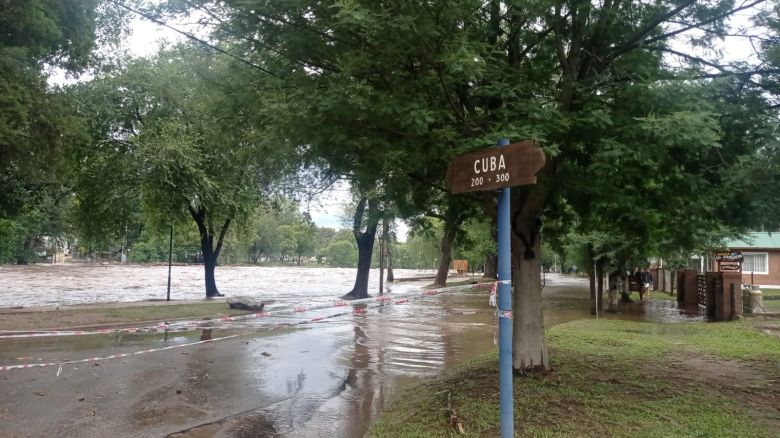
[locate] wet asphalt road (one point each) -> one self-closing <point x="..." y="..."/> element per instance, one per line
<point x="325" y="379"/>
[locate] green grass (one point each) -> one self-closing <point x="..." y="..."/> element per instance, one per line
<point x="171" y="311"/>
<point x="659" y="295"/>
<point x="610" y="378"/>
<point x="770" y="292"/>
<point x="771" y="299"/>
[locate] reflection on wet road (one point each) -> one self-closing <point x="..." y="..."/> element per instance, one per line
<point x="319" y="380"/>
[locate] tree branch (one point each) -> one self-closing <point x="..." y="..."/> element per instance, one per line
<point x="697" y="25"/>
<point x="221" y="237"/>
<point x="358" y="218"/>
<point x="634" y="39"/>
<point x="193" y="38"/>
<point x="689" y="57"/>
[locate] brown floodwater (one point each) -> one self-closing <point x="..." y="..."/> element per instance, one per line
<point x="326" y="379"/>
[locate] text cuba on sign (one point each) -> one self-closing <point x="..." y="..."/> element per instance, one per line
<point x="493" y="168"/>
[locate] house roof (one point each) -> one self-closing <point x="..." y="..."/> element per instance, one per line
<point x="756" y="240"/>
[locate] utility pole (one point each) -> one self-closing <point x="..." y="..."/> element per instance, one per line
<point x="170" y="262"/>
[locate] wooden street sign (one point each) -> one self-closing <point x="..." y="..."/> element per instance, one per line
<point x="493" y="168"/>
<point x="729" y="256"/>
<point x="729" y="260"/>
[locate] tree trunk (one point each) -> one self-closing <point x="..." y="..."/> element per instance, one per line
<point x="491" y="262"/>
<point x="592" y="280"/>
<point x="529" y="351"/>
<point x="389" y="259"/>
<point x="210" y="264"/>
<point x="600" y="287"/>
<point x="365" y="244"/>
<point x="624" y="291"/>
<point x="445" y="249"/>
<point x="490" y="209"/>
<point x="210" y="251"/>
<point x="491" y="266"/>
<point x="445" y="256"/>
<point x="614" y="290"/>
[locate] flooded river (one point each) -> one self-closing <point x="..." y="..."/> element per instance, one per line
<point x="64" y="284"/>
<point x="328" y="379"/>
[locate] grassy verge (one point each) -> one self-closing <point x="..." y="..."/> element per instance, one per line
<point x="612" y="378"/>
<point x="105" y="316"/>
<point x="771" y="302"/>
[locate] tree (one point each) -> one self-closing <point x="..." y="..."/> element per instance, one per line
<point x="37" y="127"/>
<point x="192" y="149"/>
<point x="476" y="243"/>
<point x="341" y="251"/>
<point x="405" y="86"/>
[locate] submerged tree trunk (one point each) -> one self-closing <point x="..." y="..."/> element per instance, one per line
<point x="451" y="224"/>
<point x="210" y="264"/>
<point x="210" y="251"/>
<point x="365" y="249"/>
<point x="445" y="256"/>
<point x="529" y="351"/>
<point x="365" y="244"/>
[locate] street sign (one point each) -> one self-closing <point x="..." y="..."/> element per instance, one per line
<point x="512" y="165"/>
<point x="729" y="256"/>
<point x="729" y="260"/>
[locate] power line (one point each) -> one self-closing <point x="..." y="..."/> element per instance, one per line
<point x="194" y="38"/>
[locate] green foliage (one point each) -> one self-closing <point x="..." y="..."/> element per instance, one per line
<point x="475" y="243"/>
<point x="36" y="124"/>
<point x="12" y="239"/>
<point x="153" y="245"/>
<point x="341" y="252"/>
<point x="420" y="251"/>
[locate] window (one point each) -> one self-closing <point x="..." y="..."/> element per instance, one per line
<point x="756" y="262"/>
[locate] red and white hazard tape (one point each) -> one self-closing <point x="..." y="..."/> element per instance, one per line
<point x="354" y="311"/>
<point x="380" y="301"/>
<point x="112" y="356"/>
<point x="202" y="323"/>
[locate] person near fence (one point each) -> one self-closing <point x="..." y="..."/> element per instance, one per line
<point x="493" y="301"/>
<point x="643" y="280"/>
<point x="642" y="283"/>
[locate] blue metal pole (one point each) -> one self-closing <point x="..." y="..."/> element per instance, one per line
<point x="506" y="395"/>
